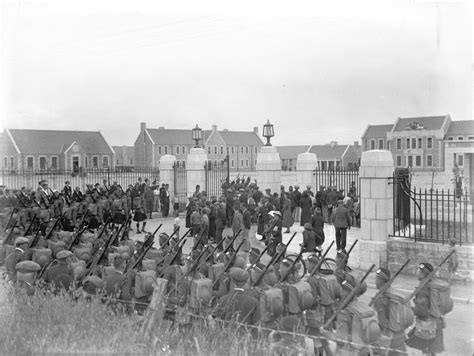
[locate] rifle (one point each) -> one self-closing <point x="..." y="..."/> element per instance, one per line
<point x="352" y="247"/>
<point x="31" y="225"/>
<point x="76" y="238"/>
<point x="260" y="256"/>
<point x="387" y="285"/>
<point x="21" y="200"/>
<point x="125" y="231"/>
<point x="139" y="259"/>
<point x="228" y="264"/>
<point x="50" y="232"/>
<point x="282" y="279"/>
<point x="231" y="243"/>
<point x="316" y="268"/>
<point x="181" y="242"/>
<point x="429" y="277"/>
<point x="348" y="298"/>
<point x="11" y="217"/>
<point x="174" y="255"/>
<point x="104" y="249"/>
<point x="272" y="261"/>
<point x="35" y="239"/>
<point x="284" y="250"/>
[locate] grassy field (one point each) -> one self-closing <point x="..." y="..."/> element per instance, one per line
<point x="47" y="324"/>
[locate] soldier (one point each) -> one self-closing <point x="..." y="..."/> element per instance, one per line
<point x="60" y="274"/>
<point x="424" y="321"/>
<point x="275" y="232"/>
<point x="237" y="304"/>
<point x="382" y="306"/>
<point x="18" y="255"/>
<point x="117" y="284"/>
<point x="289" y="343"/>
<point x="140" y="214"/>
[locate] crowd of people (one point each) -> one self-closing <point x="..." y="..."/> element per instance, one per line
<point x="79" y="241"/>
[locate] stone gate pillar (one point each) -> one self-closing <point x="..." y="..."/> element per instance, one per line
<point x="165" y="165"/>
<point x="376" y="207"/>
<point x="306" y="163"/>
<point x="195" y="171"/>
<point x="269" y="169"/>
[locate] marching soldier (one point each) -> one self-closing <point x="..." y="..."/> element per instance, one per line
<point x="140" y="213"/>
<point x="60" y="274"/>
<point x="18" y="255"/>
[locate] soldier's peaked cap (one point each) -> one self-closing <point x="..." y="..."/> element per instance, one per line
<point x="383" y="273"/>
<point x="63" y="254"/>
<point x="238" y="274"/>
<point x="21" y="240"/>
<point x="426" y="267"/>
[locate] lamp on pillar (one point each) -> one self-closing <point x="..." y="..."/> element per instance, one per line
<point x="268" y="132"/>
<point x="197" y="135"/>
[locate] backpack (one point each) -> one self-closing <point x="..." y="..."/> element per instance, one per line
<point x="364" y="328"/>
<point x="93" y="209"/>
<point x="117" y="204"/>
<point x="299" y="297"/>
<point x="356" y="276"/>
<point x="271" y="304"/>
<point x="400" y="314"/>
<point x="328" y="287"/>
<point x="79" y="269"/>
<point x="215" y="271"/>
<point x="83" y="253"/>
<point x="144" y="283"/>
<point x="56" y="246"/>
<point x="441" y="302"/>
<point x="149" y="265"/>
<point x="201" y="292"/>
<point x="41" y="256"/>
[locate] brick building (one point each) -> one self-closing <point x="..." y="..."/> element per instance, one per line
<point x="54" y="150"/>
<point x="124" y="156"/>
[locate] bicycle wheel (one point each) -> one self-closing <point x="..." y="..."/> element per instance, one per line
<point x="301" y="271"/>
<point x="330" y="263"/>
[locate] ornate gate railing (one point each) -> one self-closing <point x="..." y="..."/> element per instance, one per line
<point x="217" y="173"/>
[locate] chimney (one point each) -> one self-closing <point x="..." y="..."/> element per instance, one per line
<point x="356" y="143"/>
<point x="161" y="128"/>
<point x="255" y="129"/>
<point x="333" y="144"/>
<point x="214" y="128"/>
<point x="142" y="126"/>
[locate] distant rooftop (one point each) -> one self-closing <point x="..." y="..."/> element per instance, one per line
<point x="465" y="127"/>
<point x="421" y="123"/>
<point x="377" y="131"/>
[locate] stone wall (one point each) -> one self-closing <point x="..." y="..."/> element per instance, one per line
<point x="399" y="250"/>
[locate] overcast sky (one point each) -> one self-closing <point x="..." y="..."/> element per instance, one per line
<point x="318" y="73"/>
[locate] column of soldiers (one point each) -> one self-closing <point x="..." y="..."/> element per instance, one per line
<point x="222" y="280"/>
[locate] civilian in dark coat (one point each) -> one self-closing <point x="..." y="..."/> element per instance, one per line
<point x="317" y="222"/>
<point x="306" y="205"/>
<point x="221" y="223"/>
<point x="342" y="221"/>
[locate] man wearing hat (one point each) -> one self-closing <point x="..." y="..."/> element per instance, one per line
<point x="382" y="306"/>
<point x="238" y="304"/>
<point x="117" y="285"/>
<point x="62" y="272"/>
<point x="295" y="198"/>
<point x="275" y="231"/>
<point x="342" y="221"/>
<point x="21" y="253"/>
<point x="421" y="309"/>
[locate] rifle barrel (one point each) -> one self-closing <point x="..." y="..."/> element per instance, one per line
<point x="388" y="284"/>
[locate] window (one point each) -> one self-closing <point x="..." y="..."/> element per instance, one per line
<point x="408" y="143"/>
<point x="381" y="144"/>
<point x="159" y="150"/>
<point x="222" y="150"/>
<point x="209" y="150"/>
<point x="177" y="150"/>
<point x="241" y="163"/>
<point x="42" y="163"/>
<point x="350" y="166"/>
<point x="246" y="163"/>
<point x="331" y="165"/>
<point x="12" y="162"/>
<point x="418" y="161"/>
<point x="324" y="165"/>
<point x="232" y="163"/>
<point x="413" y="143"/>
<point x="131" y="161"/>
<point x="429" y="161"/>
<point x="460" y="160"/>
<point x="166" y="150"/>
<point x="429" y="142"/>
<point x="29" y="163"/>
<point x="399" y="143"/>
<point x="95" y="162"/>
<point x="256" y="150"/>
<point x="75" y="163"/>
<point x="450" y="138"/>
<point x="215" y="150"/>
<point x="470" y="138"/>
<point x="183" y="151"/>
<point x="54" y="162"/>
<point x="460" y="138"/>
<point x="372" y="144"/>
<point x="246" y="150"/>
<point x="420" y="142"/>
<point x="5" y="162"/>
<point x="105" y="161"/>
<point x="241" y="150"/>
<point x="410" y="161"/>
<point x="232" y="149"/>
<point x="117" y="163"/>
<point x="399" y="161"/>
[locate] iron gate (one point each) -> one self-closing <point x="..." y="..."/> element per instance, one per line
<point x="430" y="214"/>
<point x="180" y="184"/>
<point x="341" y="178"/>
<point x="217" y="174"/>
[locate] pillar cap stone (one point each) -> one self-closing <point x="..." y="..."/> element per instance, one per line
<point x="307" y="161"/>
<point x="167" y="161"/>
<point x="378" y="158"/>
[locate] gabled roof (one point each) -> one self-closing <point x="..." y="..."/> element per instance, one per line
<point x="465" y="127"/>
<point x="421" y="123"/>
<point x="57" y="141"/>
<point x="241" y="138"/>
<point x="328" y="152"/>
<point x="171" y="136"/>
<point x="291" y="152"/>
<point x="358" y="150"/>
<point x="377" y="131"/>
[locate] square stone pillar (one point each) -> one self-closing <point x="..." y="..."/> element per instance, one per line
<point x="166" y="165"/>
<point x="376" y="206"/>
<point x="195" y="170"/>
<point x="306" y="163"/>
<point x="269" y="169"/>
